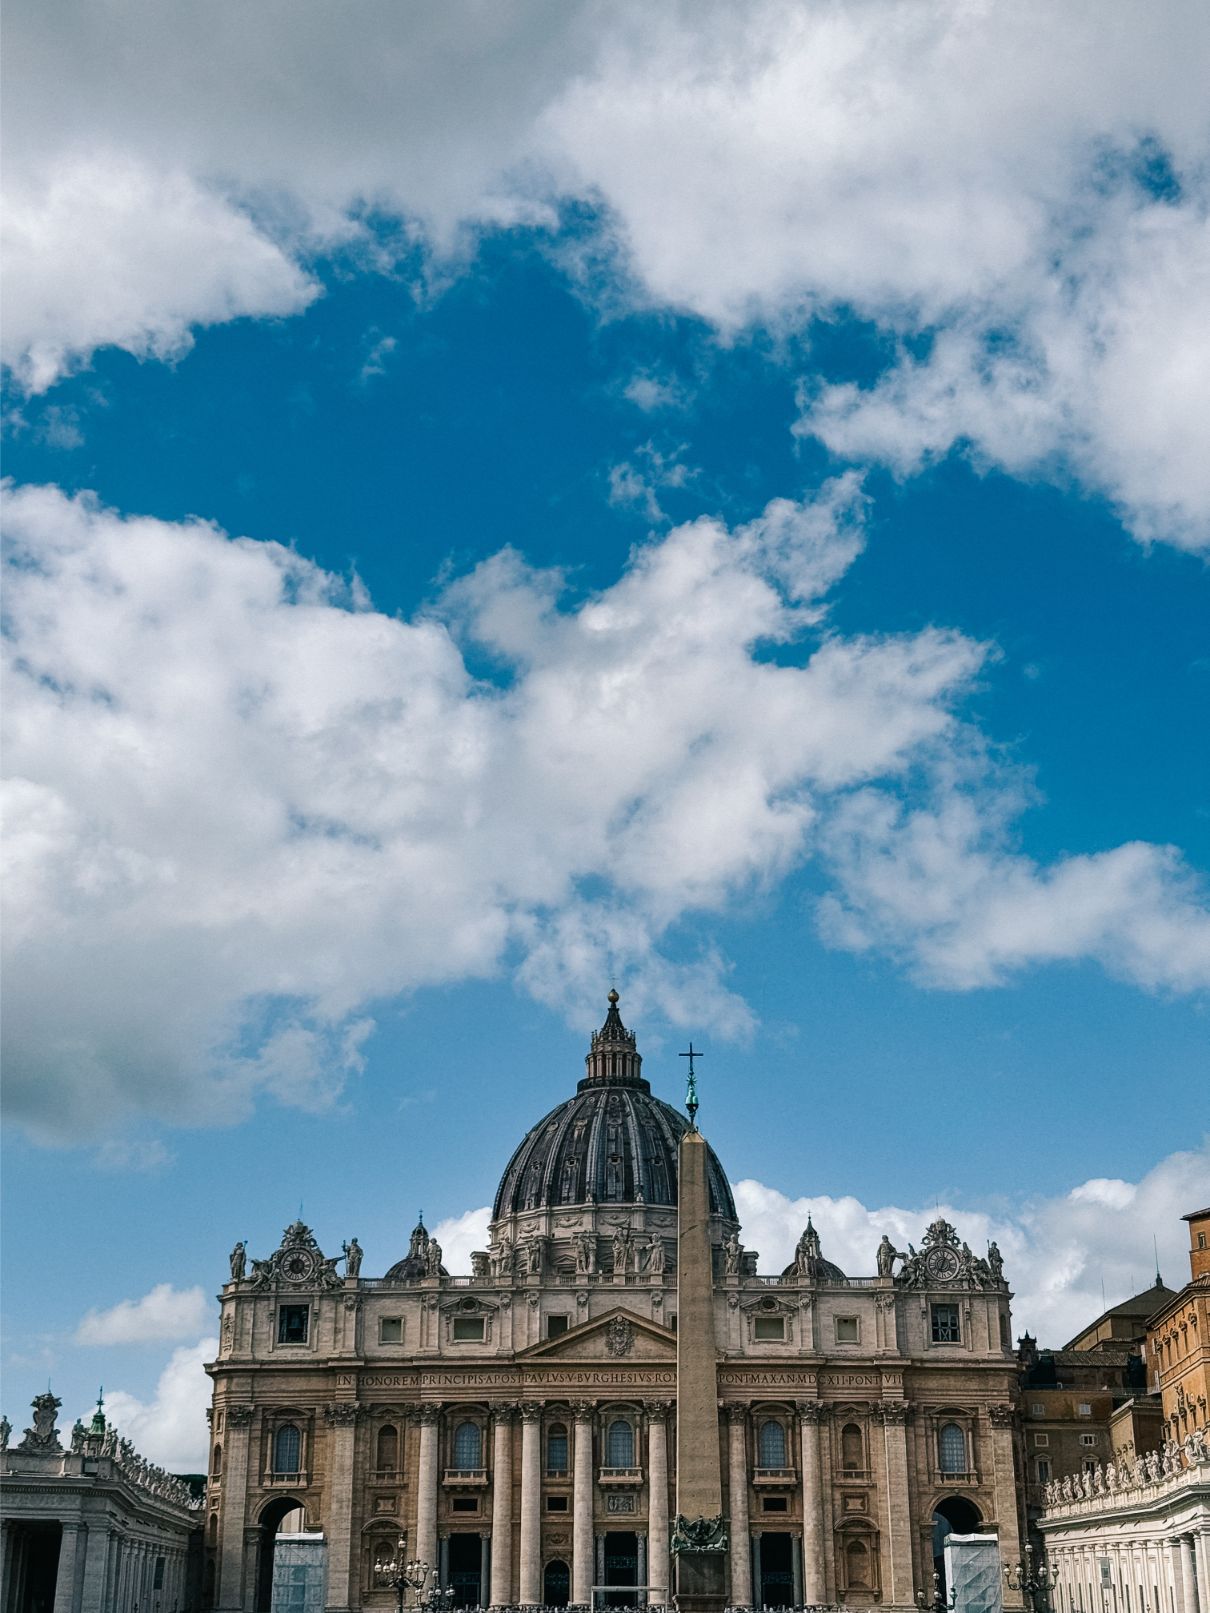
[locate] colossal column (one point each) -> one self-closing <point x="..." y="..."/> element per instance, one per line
<point x="502" y="1506"/>
<point x="426" y="1487"/>
<point x="701" y="1533"/>
<point x="531" y="1502"/>
<point x="894" y="1414"/>
<point x="341" y="1420"/>
<point x="657" y="1512"/>
<point x="810" y="1415"/>
<point x="581" y="1507"/>
<point x="237" y="1432"/>
<point x="737" y="1500"/>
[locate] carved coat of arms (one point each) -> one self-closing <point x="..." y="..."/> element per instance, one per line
<point x="619" y="1336"/>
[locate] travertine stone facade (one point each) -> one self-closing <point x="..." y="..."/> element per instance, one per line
<point x="518" y="1424"/>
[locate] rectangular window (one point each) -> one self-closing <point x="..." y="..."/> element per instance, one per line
<point x="847" y="1330"/>
<point x="1201" y="1240"/>
<point x="774" y="1503"/>
<point x="1041" y="1439"/>
<point x="769" y="1327"/>
<point x="945" y="1325"/>
<point x="390" y="1330"/>
<point x="464" y="1503"/>
<point x="1084" y="1409"/>
<point x="556" y="1325"/>
<point x="556" y="1503"/>
<point x="468" y="1329"/>
<point x="1090" y="1465"/>
<point x="1037" y="1409"/>
<point x="292" y="1323"/>
<point x="1043" y="1469"/>
<point x="1088" y="1439"/>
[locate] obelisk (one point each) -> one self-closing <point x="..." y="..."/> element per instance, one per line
<point x="699" y="1541"/>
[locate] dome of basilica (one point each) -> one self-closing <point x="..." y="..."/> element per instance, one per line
<point x="612" y="1143"/>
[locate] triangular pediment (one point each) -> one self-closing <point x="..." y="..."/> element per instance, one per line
<point x="619" y="1335"/>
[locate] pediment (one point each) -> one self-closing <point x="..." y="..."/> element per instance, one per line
<point x="619" y="1335"/>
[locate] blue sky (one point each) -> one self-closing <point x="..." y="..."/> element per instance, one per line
<point x="664" y="515"/>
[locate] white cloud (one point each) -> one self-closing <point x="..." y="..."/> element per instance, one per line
<point x="104" y="250"/>
<point x="460" y="1235"/>
<point x="651" y="393"/>
<point x="243" y="806"/>
<point x="171" y="1428"/>
<point x="164" y="1313"/>
<point x="1030" y="183"/>
<point x="639" y="481"/>
<point x="941" y="886"/>
<point x="1058" y="1251"/>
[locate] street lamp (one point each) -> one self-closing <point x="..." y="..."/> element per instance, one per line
<point x="404" y="1576"/>
<point x="1033" y="1583"/>
<point x="938" y="1602"/>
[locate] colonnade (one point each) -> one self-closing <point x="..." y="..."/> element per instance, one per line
<point x="102" y="1565"/>
<point x="1165" y="1571"/>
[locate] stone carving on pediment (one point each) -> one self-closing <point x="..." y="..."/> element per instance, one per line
<point x="299" y="1262"/>
<point x="944" y="1261"/>
<point x="769" y="1305"/>
<point x="471" y="1304"/>
<point x="619" y="1336"/>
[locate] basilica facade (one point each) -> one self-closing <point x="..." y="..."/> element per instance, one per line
<point x="517" y="1423"/>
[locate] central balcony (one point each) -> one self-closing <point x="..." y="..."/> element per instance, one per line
<point x="620" y="1475"/>
<point x="774" y="1476"/>
<point x="466" y="1478"/>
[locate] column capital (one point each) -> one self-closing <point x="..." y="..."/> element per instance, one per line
<point x="428" y="1415"/>
<point x="504" y="1415"/>
<point x="657" y="1410"/>
<point x="737" y="1414"/>
<point x="894" y="1413"/>
<point x="343" y="1414"/>
<point x="812" y="1411"/>
<point x="583" y="1410"/>
<point x="238" y="1416"/>
<point x="1002" y="1415"/>
<point x="531" y="1411"/>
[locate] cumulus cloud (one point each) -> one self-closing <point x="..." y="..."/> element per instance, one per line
<point x="460" y="1235"/>
<point x="1028" y="187"/>
<point x="1058" y="1250"/>
<point x="164" y="1313"/>
<point x="243" y="806"/>
<point x="171" y="1427"/>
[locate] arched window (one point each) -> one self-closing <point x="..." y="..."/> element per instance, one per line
<point x="556" y="1449"/>
<point x="388" y="1449"/>
<point x="857" y="1564"/>
<point x="216" y="1461"/>
<point x="771" y="1445"/>
<point x="619" y="1444"/>
<point x="852" y="1456"/>
<point x="951" y="1449"/>
<point x="287" y="1449"/>
<point x="468" y="1446"/>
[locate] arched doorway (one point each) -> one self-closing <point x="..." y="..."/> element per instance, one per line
<point x="621" y="1567"/>
<point x="283" y="1517"/>
<point x="556" y="1584"/>
<point x="954" y="1515"/>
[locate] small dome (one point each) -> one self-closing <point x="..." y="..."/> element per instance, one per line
<point x="613" y="1143"/>
<point x="809" y="1262"/>
<point x="418" y="1261"/>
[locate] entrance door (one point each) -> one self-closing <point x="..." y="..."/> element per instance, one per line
<point x="621" y="1567"/>
<point x="556" y="1584"/>
<point x="466" y="1557"/>
<point x="776" y="1570"/>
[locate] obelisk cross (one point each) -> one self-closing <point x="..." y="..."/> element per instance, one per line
<point x="691" y="1103"/>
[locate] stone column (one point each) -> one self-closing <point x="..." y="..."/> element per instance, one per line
<point x="341" y="1421"/>
<point x="641" y="1554"/>
<point x="96" y="1568"/>
<point x="502" y="1506"/>
<point x="756" y="1599"/>
<point x="530" y="1591"/>
<point x="1004" y="1479"/>
<point x="485" y="1565"/>
<point x="894" y="1415"/>
<point x="737" y="1501"/>
<point x="814" y="1579"/>
<point x="237" y="1439"/>
<point x="1188" y="1576"/>
<point x="657" y="1508"/>
<point x="65" y="1584"/>
<point x="581" y="1508"/>
<point x="426" y="1486"/>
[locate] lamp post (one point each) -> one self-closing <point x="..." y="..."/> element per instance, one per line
<point x="1033" y="1583"/>
<point x="404" y="1576"/>
<point x="938" y="1602"/>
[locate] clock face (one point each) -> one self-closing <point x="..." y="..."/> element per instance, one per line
<point x="942" y="1264"/>
<point x="298" y="1266"/>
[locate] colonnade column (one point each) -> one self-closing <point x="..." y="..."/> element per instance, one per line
<point x="581" y="1507"/>
<point x="65" y="1584"/>
<point x="737" y="1501"/>
<point x="530" y="1592"/>
<point x="237" y="1440"/>
<point x="341" y="1420"/>
<point x="894" y="1414"/>
<point x="96" y="1566"/>
<point x="811" y="1414"/>
<point x="657" y="1511"/>
<point x="426" y="1486"/>
<point x="1189" y="1575"/>
<point x="502" y="1506"/>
